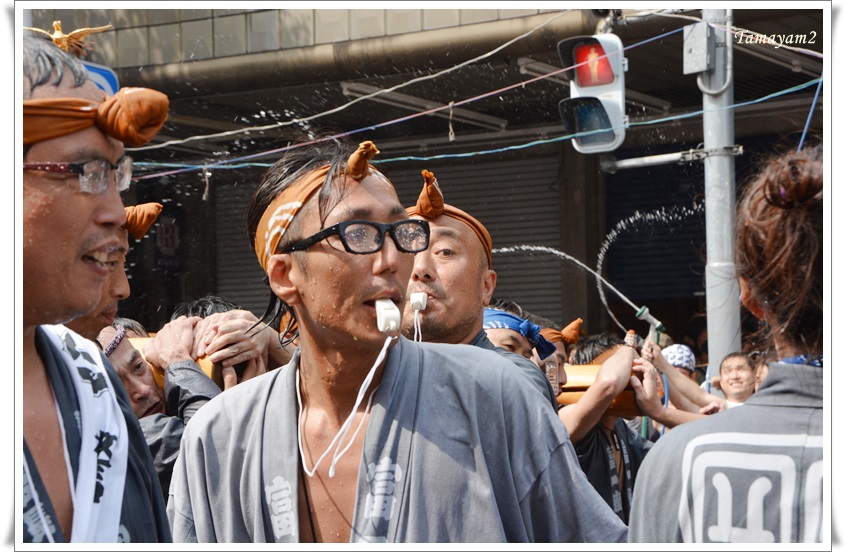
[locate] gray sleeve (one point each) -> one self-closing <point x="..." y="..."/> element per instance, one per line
<point x="163" y="435"/>
<point x="557" y="503"/>
<point x="534" y="374"/>
<point x="180" y="513"/>
<point x="573" y="510"/>
<point x="213" y="478"/>
<point x="654" y="515"/>
<point x="187" y="388"/>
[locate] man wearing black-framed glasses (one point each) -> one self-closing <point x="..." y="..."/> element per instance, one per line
<point x="87" y="473"/>
<point x="366" y="436"/>
<point x="363" y="237"/>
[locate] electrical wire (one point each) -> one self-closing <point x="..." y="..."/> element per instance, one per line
<point x="225" y="164"/>
<point x="400" y="119"/>
<point x="810" y="115"/>
<point x="354" y="101"/>
<point x="759" y="37"/>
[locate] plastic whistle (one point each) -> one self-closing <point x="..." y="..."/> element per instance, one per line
<point x="387" y="316"/>
<point x="418" y="300"/>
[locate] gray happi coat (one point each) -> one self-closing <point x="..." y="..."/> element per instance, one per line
<point x="459" y="448"/>
<point x="755" y="473"/>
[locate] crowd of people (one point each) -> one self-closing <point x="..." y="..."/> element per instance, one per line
<point x="387" y="395"/>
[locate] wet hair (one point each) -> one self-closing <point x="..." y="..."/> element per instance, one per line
<point x="43" y="60"/>
<point x="590" y="347"/>
<point x="779" y="246"/>
<point x="203" y="307"/>
<point x="295" y="164"/>
<point x="131" y="325"/>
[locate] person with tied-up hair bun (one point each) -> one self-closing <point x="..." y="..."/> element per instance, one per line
<point x="756" y="473"/>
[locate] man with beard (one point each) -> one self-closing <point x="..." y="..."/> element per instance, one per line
<point x="366" y="436"/>
<point x="455" y="273"/>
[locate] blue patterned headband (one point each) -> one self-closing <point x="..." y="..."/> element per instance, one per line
<point x="495" y="318"/>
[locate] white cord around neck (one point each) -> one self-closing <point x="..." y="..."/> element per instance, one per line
<point x="345" y="428"/>
<point x="418" y="328"/>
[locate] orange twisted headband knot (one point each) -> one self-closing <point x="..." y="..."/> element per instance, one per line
<point x="285" y="206"/>
<point x="570" y="334"/>
<point x="430" y="205"/>
<point x="139" y="218"/>
<point x="132" y="115"/>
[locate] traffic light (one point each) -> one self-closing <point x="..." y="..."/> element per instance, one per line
<point x="597" y="102"/>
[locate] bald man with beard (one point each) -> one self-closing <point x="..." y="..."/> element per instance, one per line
<point x="455" y="274"/>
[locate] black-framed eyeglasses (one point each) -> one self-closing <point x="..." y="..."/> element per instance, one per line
<point x="93" y="174"/>
<point x="365" y="236"/>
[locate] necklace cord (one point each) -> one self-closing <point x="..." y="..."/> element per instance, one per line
<point x="342" y="433"/>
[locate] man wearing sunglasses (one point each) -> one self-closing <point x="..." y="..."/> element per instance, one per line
<point x="87" y="473"/>
<point x="366" y="436"/>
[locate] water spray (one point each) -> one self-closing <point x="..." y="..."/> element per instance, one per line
<point x="633" y="223"/>
<point x="642" y="313"/>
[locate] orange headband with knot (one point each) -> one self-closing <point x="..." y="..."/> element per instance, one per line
<point x="284" y="207"/>
<point x="430" y="205"/>
<point x="570" y="334"/>
<point x="139" y="218"/>
<point x="132" y="115"/>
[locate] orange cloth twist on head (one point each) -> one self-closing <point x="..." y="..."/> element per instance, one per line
<point x="139" y="218"/>
<point x="132" y="115"/>
<point x="359" y="162"/>
<point x="552" y="335"/>
<point x="570" y="334"/>
<point x="285" y="206"/>
<point x="430" y="205"/>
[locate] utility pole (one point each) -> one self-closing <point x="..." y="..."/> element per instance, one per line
<point x="722" y="291"/>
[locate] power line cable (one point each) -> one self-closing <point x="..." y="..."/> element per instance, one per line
<point x="351" y="102"/>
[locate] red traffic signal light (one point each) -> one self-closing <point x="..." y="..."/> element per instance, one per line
<point x="595" y="112"/>
<point x="593" y="67"/>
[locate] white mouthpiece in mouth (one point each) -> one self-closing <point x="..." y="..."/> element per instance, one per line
<point x="418" y="300"/>
<point x="387" y="316"/>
